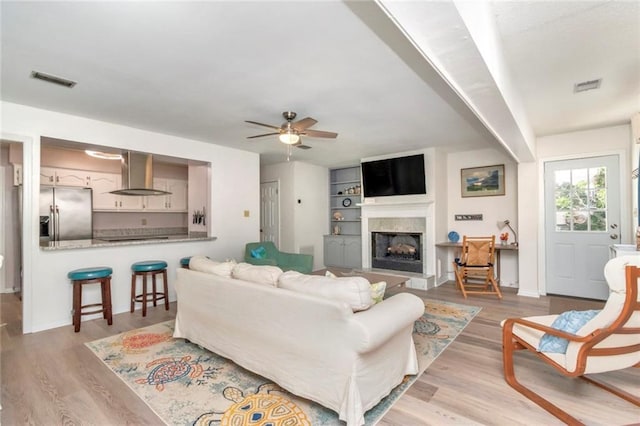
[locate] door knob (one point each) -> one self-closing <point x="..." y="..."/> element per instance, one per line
<point x="613" y="236"/>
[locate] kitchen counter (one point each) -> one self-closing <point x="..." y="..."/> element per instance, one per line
<point x="121" y="241"/>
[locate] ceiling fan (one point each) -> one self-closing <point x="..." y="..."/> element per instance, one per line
<point x="290" y="131"/>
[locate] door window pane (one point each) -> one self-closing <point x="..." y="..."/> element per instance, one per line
<point x="581" y="199"/>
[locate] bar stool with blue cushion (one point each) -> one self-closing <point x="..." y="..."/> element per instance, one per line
<point x="94" y="275"/>
<point x="149" y="268"/>
<point x="184" y="262"/>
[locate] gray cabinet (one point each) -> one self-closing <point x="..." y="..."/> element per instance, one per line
<point x="343" y="251"/>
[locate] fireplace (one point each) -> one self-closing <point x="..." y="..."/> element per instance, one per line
<point x="400" y="251"/>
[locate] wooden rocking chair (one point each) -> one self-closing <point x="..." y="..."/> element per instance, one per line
<point x="474" y="269"/>
<point x="609" y="341"/>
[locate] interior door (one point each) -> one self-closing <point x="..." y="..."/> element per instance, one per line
<point x="269" y="213"/>
<point x="582" y="218"/>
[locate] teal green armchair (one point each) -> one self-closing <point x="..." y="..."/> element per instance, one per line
<point x="272" y="256"/>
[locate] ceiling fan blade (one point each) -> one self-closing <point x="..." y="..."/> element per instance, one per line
<point x="265" y="134"/>
<point x="304" y="123"/>
<point x="301" y="146"/>
<point x="319" y="134"/>
<point x="262" y="124"/>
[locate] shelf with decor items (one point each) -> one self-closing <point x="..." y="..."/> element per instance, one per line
<point x="345" y="191"/>
<point x="343" y="247"/>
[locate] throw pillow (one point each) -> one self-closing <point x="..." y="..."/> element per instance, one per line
<point x="259" y="274"/>
<point x="354" y="291"/>
<point x="204" y="264"/>
<point x="259" y="253"/>
<point x="571" y="322"/>
<point x="377" y="291"/>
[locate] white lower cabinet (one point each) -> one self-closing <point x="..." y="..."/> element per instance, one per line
<point x="343" y="251"/>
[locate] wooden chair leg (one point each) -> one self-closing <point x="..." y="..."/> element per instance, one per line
<point x="106" y="301"/>
<point x="77" y="305"/>
<point x="166" y="289"/>
<point x="144" y="295"/>
<point x="154" y="289"/>
<point x="133" y="291"/>
<point x="508" y="347"/>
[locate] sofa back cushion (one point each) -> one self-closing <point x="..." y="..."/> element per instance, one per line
<point x="259" y="274"/>
<point x="204" y="264"/>
<point x="355" y="291"/>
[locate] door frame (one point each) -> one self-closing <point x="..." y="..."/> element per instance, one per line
<point x="30" y="162"/>
<point x="626" y="218"/>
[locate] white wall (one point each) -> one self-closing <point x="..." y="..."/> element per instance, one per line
<point x="234" y="188"/>
<point x="311" y="188"/>
<point x="493" y="208"/>
<point x="303" y="224"/>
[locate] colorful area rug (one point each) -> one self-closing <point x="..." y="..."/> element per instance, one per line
<point x="187" y="385"/>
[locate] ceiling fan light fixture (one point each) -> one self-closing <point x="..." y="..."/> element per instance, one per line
<point x="289" y="138"/>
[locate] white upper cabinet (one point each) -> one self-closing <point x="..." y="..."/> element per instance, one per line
<point x="179" y="194"/>
<point x="176" y="201"/>
<point x="102" y="185"/>
<point x="63" y="177"/>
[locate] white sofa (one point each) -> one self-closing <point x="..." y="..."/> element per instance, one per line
<point x="313" y="346"/>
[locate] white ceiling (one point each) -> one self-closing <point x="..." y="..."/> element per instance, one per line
<point x="199" y="69"/>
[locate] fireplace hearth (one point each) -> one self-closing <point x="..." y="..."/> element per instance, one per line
<point x="400" y="251"/>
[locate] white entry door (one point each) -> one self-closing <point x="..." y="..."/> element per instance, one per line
<point x="582" y="218"/>
<point x="269" y="213"/>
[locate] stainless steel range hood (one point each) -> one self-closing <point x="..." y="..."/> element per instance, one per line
<point x="137" y="175"/>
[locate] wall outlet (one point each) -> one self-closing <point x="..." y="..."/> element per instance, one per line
<point x="144" y="221"/>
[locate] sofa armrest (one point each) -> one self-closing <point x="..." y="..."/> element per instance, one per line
<point x="384" y="320"/>
<point x="256" y="261"/>
<point x="302" y="263"/>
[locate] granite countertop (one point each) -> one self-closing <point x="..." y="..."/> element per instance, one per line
<point x="114" y="241"/>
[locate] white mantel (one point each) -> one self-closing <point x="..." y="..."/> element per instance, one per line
<point x="421" y="210"/>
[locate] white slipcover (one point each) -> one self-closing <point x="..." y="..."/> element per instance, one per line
<point x="313" y="347"/>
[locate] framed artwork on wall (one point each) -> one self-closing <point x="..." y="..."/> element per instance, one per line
<point x="482" y="181"/>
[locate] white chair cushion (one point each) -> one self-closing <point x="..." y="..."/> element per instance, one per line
<point x="204" y="264"/>
<point x="259" y="274"/>
<point x="355" y="291"/>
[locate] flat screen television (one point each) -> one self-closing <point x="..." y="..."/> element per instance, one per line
<point x="394" y="176"/>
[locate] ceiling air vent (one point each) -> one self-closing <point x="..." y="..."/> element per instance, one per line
<point x="53" y="79"/>
<point x="587" y="85"/>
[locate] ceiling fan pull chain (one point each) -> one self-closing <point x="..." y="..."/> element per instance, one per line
<point x="288" y="152"/>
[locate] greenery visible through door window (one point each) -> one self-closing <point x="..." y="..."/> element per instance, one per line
<point x="581" y="199"/>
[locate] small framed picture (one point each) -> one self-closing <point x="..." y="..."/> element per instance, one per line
<point x="482" y="181"/>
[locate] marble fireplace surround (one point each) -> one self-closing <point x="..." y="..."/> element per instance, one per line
<point x="400" y="217"/>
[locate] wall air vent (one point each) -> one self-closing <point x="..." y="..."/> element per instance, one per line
<point x="53" y="79"/>
<point x="587" y="85"/>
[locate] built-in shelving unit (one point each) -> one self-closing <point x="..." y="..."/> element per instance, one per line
<point x="343" y="246"/>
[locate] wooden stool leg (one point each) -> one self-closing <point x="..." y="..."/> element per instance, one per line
<point x="144" y="295"/>
<point x="106" y="300"/>
<point x="155" y="290"/>
<point x="77" y="305"/>
<point x="166" y="289"/>
<point x="133" y="291"/>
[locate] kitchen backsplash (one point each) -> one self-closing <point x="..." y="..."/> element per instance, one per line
<point x="135" y="232"/>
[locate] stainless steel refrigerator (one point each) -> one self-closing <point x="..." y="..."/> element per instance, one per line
<point x="66" y="213"/>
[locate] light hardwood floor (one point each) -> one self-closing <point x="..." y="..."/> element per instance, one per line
<point x="51" y="378"/>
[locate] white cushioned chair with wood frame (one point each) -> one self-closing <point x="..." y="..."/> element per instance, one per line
<point x="474" y="269"/>
<point x="609" y="341"/>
